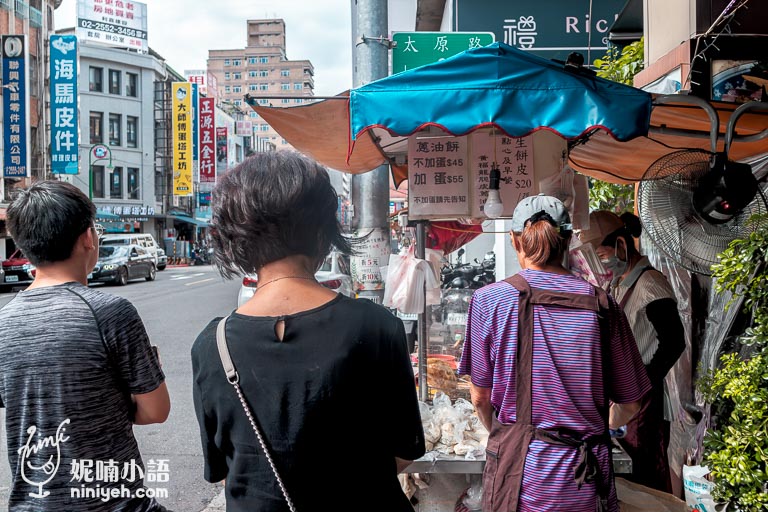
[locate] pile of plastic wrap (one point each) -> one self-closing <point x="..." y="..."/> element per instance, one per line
<point x="453" y="429"/>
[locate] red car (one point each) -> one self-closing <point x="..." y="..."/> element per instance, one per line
<point x="17" y="271"/>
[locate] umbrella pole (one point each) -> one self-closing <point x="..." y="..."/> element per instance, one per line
<point x="421" y="242"/>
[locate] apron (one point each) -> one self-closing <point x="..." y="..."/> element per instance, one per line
<point x="508" y="444"/>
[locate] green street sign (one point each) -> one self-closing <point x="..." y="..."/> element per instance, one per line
<point x="414" y="49"/>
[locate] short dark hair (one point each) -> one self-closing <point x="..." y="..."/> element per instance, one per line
<point x="631" y="229"/>
<point x="271" y="206"/>
<point x="46" y="219"/>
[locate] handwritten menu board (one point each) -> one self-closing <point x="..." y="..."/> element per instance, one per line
<point x="514" y="157"/>
<point x="439" y="177"/>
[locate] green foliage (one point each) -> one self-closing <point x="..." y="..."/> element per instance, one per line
<point x="619" y="66"/>
<point x="737" y="447"/>
<point x="611" y="196"/>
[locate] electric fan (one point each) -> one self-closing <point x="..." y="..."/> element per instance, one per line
<point x="693" y="203"/>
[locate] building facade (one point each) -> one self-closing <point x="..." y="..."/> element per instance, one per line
<point x="35" y="19"/>
<point x="262" y="70"/>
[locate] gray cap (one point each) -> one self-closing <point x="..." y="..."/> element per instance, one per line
<point x="530" y="206"/>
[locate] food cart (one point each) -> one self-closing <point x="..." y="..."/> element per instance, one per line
<point x="485" y="102"/>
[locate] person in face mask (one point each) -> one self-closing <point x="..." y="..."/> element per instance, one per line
<point x="649" y="303"/>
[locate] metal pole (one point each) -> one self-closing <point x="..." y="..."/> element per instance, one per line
<point x="369" y="192"/>
<point x="90" y="175"/>
<point x="421" y="242"/>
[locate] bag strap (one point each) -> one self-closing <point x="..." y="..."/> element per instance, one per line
<point x="234" y="379"/>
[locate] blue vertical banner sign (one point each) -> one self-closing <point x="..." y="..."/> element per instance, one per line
<point x="15" y="106"/>
<point x="64" y="127"/>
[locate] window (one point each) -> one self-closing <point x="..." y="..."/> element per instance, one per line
<point x="238" y="102"/>
<point x="254" y="115"/>
<point x="285" y="87"/>
<point x="227" y="89"/>
<point x="227" y="75"/>
<point x="97" y="130"/>
<point x="115" y="122"/>
<point x="96" y="79"/>
<point x="253" y="87"/>
<point x="285" y="72"/>
<point x="297" y="86"/>
<point x="263" y="102"/>
<point x="284" y="101"/>
<point x="263" y="72"/>
<point x="132" y="85"/>
<point x="132" y="177"/>
<point x="264" y="127"/>
<point x="299" y="100"/>
<point x="237" y="63"/>
<point x="237" y="88"/>
<point x="226" y="62"/>
<point x="237" y="76"/>
<point x="264" y="60"/>
<point x="116" y="183"/>
<point x="131" y="131"/>
<point x="253" y="60"/>
<point x="97" y="180"/>
<point x="263" y="87"/>
<point x="252" y="74"/>
<point x="114" y="81"/>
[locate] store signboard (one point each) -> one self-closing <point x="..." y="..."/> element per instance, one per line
<point x="438" y="177"/>
<point x="64" y="127"/>
<point x="221" y="150"/>
<point x="414" y="49"/>
<point x="207" y="141"/>
<point x="449" y="176"/>
<point x="514" y="157"/>
<point x="212" y="86"/>
<point x="182" y="138"/>
<point x="120" y="23"/>
<point x="15" y="106"/>
<point x="199" y="77"/>
<point x="551" y="29"/>
<point x="374" y="251"/>
<point x="244" y="128"/>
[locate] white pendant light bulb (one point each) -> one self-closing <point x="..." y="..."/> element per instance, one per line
<point x="493" y="207"/>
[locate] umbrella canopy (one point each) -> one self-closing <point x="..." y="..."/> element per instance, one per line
<point x="498" y="85"/>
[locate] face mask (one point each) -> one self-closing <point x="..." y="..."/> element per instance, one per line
<point x="614" y="265"/>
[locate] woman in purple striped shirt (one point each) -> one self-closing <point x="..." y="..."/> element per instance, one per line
<point x="546" y="351"/>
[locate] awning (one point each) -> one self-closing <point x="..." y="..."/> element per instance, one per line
<point x="628" y="27"/>
<point x="190" y="220"/>
<point x="102" y="215"/>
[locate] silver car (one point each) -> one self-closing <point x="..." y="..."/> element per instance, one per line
<point x="333" y="274"/>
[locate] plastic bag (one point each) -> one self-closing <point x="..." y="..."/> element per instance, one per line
<point x="698" y="490"/>
<point x="560" y="186"/>
<point x="580" y="212"/>
<point x="406" y="278"/>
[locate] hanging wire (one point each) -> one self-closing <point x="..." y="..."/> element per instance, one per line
<point x="589" y="36"/>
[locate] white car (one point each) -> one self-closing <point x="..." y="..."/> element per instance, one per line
<point x="333" y="274"/>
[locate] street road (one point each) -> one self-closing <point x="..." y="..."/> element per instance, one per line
<point x="174" y="308"/>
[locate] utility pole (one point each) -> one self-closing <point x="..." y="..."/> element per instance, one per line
<point x="369" y="192"/>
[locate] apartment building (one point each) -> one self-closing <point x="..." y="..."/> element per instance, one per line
<point x="262" y="70"/>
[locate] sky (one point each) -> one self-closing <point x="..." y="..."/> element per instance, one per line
<point x="317" y="30"/>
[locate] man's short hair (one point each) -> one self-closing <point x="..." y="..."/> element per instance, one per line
<point x="46" y="219"/>
<point x="271" y="206"/>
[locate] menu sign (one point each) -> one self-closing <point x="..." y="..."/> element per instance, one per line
<point x="514" y="157"/>
<point x="438" y="177"/>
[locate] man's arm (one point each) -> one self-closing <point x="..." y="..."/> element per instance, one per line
<point x="620" y="414"/>
<point x="481" y="399"/>
<point x="152" y="407"/>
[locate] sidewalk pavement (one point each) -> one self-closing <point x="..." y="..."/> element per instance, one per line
<point x="217" y="504"/>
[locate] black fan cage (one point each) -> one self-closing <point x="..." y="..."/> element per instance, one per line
<point x="665" y="205"/>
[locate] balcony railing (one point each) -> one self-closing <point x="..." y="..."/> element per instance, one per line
<point x="35" y="17"/>
<point x="6" y="4"/>
<point x="22" y="8"/>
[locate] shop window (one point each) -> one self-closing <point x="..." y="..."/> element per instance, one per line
<point x="97" y="127"/>
<point x="114" y="81"/>
<point x="115" y="122"/>
<point x="116" y="183"/>
<point x="96" y="79"/>
<point x="131" y="131"/>
<point x="97" y="180"/>
<point x="132" y="85"/>
<point x="132" y="178"/>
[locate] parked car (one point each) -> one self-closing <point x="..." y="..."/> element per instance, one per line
<point x="333" y="274"/>
<point x="119" y="264"/>
<point x="17" y="271"/>
<point x="162" y="259"/>
<point x="144" y="240"/>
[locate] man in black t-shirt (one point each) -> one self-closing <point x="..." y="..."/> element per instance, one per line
<point x="76" y="369"/>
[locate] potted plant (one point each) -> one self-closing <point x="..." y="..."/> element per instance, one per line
<point x="736" y="445"/>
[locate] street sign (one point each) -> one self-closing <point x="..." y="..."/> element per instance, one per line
<point x="414" y="49"/>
